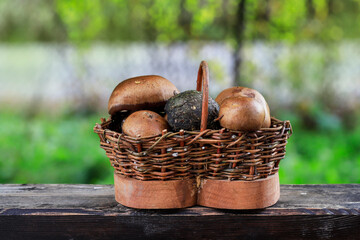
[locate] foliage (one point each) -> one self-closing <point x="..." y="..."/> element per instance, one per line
<point x="325" y="155"/>
<point x="64" y="149"/>
<point x="83" y="19"/>
<point x="47" y="149"/>
<point x="177" y="20"/>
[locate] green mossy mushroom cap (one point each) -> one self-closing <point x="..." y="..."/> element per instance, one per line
<point x="184" y="111"/>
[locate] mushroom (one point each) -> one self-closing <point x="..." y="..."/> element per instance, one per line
<point x="144" y="123"/>
<point x="246" y="93"/>
<point x="141" y="93"/>
<point x="184" y="111"/>
<point x="242" y="113"/>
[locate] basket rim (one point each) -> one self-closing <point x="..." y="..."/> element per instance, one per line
<point x="102" y="127"/>
<point x="102" y="131"/>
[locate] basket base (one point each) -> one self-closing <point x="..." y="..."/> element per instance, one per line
<point x="225" y="194"/>
<point x="155" y="194"/>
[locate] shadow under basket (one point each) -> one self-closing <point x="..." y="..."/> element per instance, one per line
<point x="215" y="168"/>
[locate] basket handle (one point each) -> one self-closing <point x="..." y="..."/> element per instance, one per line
<point x="203" y="82"/>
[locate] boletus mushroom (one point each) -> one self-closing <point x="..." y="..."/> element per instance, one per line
<point x="144" y="123"/>
<point x="141" y="93"/>
<point x="242" y="113"/>
<point x="244" y="92"/>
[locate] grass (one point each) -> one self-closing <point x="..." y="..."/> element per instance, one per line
<point x="321" y="157"/>
<point x="64" y="149"/>
<point x="51" y="150"/>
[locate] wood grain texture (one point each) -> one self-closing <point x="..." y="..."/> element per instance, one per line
<point x="155" y="194"/>
<point x="239" y="194"/>
<point x="91" y="212"/>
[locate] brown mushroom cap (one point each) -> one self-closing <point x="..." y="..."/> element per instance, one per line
<point x="249" y="93"/>
<point x="143" y="92"/>
<point x="242" y="113"/>
<point x="144" y="123"/>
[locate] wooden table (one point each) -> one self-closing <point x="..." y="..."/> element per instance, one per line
<point x="90" y="212"/>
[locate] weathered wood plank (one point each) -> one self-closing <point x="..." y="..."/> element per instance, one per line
<point x="56" y="196"/>
<point x="294" y="199"/>
<point x="190" y="227"/>
<point x="90" y="212"/>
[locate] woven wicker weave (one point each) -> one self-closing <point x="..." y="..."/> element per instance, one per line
<point x="217" y="154"/>
<point x="213" y="154"/>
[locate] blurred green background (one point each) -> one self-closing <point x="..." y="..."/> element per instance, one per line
<point x="60" y="60"/>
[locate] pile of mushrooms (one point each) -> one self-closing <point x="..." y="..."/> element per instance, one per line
<point x="142" y="98"/>
<point x="136" y="106"/>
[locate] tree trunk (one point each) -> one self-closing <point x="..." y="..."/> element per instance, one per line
<point x="330" y="6"/>
<point x="226" y="18"/>
<point x="310" y="9"/>
<point x="239" y="28"/>
<point x="184" y="20"/>
<point x="267" y="11"/>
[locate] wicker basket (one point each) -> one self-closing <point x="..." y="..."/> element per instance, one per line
<point x="200" y="158"/>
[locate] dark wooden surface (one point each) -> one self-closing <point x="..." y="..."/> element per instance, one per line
<point x="90" y="212"/>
